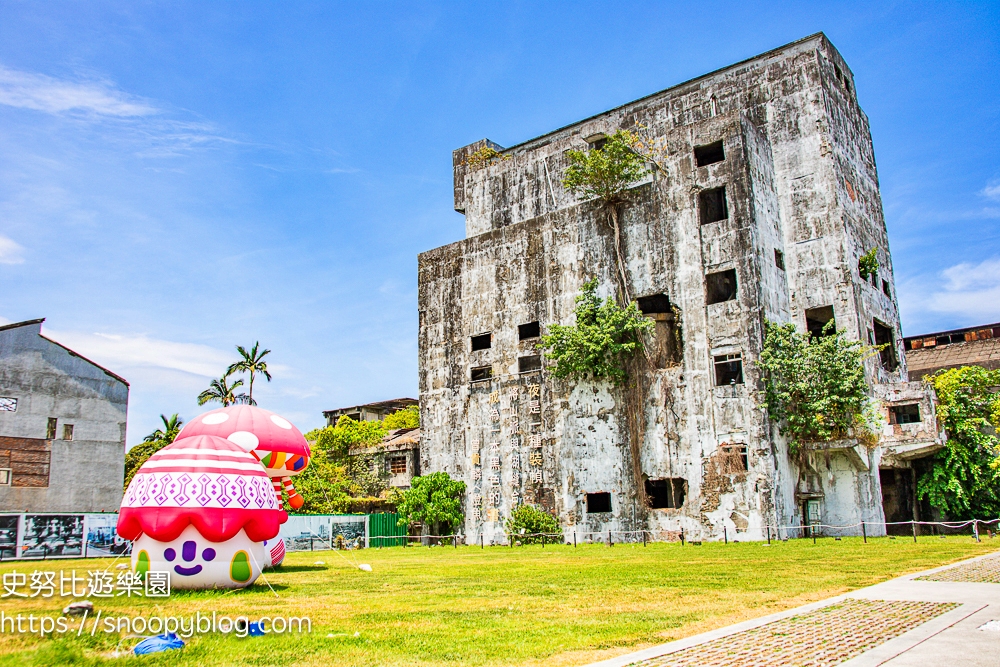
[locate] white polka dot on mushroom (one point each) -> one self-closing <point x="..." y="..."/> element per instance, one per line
<point x="280" y="422"/>
<point x="244" y="439"/>
<point x="214" y="418"/>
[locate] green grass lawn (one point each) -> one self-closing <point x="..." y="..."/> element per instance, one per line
<point x="499" y="606"/>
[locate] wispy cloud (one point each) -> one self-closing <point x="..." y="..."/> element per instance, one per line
<point x="992" y="190"/>
<point x="118" y="352"/>
<point x="10" y="251"/>
<point x="28" y="90"/>
<point x="969" y="292"/>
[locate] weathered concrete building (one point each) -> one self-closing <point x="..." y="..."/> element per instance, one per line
<point x="764" y="198"/>
<point x="368" y="411"/>
<point x="62" y="426"/>
<point x="972" y="346"/>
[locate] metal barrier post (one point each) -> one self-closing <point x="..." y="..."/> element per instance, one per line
<point x="682" y="535"/>
<point x="975" y="528"/>
<point x="913" y="525"/>
<point x="768" y="533"/>
<point x="609" y="539"/>
<point x="643" y="538"/>
<point x="482" y="540"/>
<point x="574" y="538"/>
<point x="725" y="534"/>
<point x="864" y="532"/>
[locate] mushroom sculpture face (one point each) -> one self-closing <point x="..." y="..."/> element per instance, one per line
<point x="201" y="509"/>
<point x="273" y="440"/>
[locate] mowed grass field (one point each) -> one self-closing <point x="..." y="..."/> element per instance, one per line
<point x="523" y="606"/>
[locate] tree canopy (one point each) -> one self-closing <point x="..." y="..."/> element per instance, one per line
<point x="964" y="478"/>
<point x="815" y="387"/>
<point x="435" y="500"/>
<point x="600" y="341"/>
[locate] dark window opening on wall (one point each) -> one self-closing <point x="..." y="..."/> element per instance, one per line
<point x="482" y="373"/>
<point x="779" y="259"/>
<point x="67" y="431"/>
<point x="482" y="342"/>
<point x="50" y="430"/>
<point x="817" y="319"/>
<point x="597" y="142"/>
<point x="720" y="286"/>
<point x="666" y="494"/>
<point x="712" y="205"/>
<point x="904" y="414"/>
<point x="883" y="336"/>
<point x="529" y="330"/>
<point x="397" y="465"/>
<point x="885" y="289"/>
<point x="657" y="303"/>
<point x="666" y="349"/>
<point x="598" y="502"/>
<point x="728" y="370"/>
<point x="709" y="154"/>
<point x="529" y="364"/>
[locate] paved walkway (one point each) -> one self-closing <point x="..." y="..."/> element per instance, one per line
<point x="948" y="615"/>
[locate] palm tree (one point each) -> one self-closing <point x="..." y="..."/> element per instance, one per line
<point x="252" y="363"/>
<point x="219" y="390"/>
<point x="171" y="427"/>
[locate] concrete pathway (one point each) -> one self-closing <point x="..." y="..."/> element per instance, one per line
<point x="948" y="615"/>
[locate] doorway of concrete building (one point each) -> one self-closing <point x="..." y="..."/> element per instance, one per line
<point x="899" y="498"/>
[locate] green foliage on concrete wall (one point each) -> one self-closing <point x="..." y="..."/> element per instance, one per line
<point x="868" y="264"/>
<point x="964" y="479"/>
<point x="408" y="417"/>
<point x="598" y="345"/>
<point x="815" y="387"/>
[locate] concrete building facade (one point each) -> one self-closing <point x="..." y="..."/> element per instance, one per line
<point x="62" y="426"/>
<point x="763" y="198"/>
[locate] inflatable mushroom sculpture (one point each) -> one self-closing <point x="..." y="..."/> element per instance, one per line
<point x="201" y="509"/>
<point x="271" y="439"/>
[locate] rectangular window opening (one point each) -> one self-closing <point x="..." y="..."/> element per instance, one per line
<point x="482" y="342"/>
<point x="666" y="494"/>
<point x="529" y="363"/>
<point x="529" y="330"/>
<point x="598" y="502"/>
<point x="712" y="205"/>
<point x="657" y="303"/>
<point x="779" y="259"/>
<point x="736" y="459"/>
<point x="883" y="336"/>
<point x="8" y="404"/>
<point x="720" y="286"/>
<point x="709" y="154"/>
<point x="817" y="319"/>
<point x="886" y="289"/>
<point x="728" y="370"/>
<point x="67" y="431"/>
<point x="904" y="414"/>
<point x="481" y="373"/>
<point x="50" y="430"/>
<point x="397" y="465"/>
<point x="5" y="476"/>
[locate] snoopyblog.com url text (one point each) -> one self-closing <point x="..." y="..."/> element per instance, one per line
<point x="184" y="626"/>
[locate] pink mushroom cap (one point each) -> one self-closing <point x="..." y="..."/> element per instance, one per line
<point x="251" y="428"/>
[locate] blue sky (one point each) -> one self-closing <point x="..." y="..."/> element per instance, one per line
<point x="178" y="178"/>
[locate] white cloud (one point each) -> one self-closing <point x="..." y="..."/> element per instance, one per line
<point x="10" y="251"/>
<point x="970" y="290"/>
<point x="119" y="352"/>
<point x="27" y="90"/>
<point x="992" y="190"/>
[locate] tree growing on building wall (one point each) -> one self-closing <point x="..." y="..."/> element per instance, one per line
<point x="598" y="345"/>
<point x="964" y="478"/>
<point x="815" y="388"/>
<point x="605" y="174"/>
<point x="434" y="500"/>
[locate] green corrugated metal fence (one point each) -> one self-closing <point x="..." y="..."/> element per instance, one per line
<point x="383" y="531"/>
